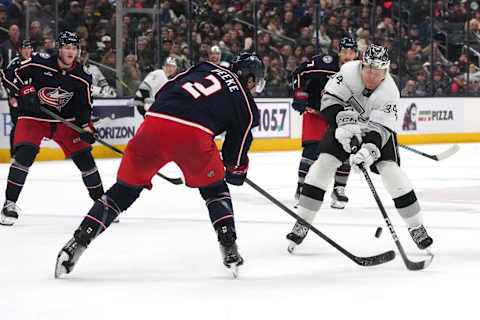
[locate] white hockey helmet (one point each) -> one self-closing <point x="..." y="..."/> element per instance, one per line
<point x="376" y="57"/>
<point x="171" y="61"/>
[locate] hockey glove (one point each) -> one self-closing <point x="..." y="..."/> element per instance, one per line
<point x="367" y="155"/>
<point x="237" y="175"/>
<point x="28" y="99"/>
<point x="348" y="128"/>
<point x="300" y="100"/>
<point x="139" y="104"/>
<point x="89" y="134"/>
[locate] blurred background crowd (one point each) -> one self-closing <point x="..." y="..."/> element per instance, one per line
<point x="434" y="45"/>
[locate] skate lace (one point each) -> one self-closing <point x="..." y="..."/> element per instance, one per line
<point x="340" y="191"/>
<point x="418" y="234"/>
<point x="300" y="230"/>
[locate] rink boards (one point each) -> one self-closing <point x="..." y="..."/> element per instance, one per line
<point x="419" y="121"/>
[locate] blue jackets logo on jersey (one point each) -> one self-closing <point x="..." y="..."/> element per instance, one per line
<point x="55" y="97"/>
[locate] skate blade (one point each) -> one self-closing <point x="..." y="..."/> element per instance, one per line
<point x="234" y="268"/>
<point x="337" y="204"/>
<point x="291" y="247"/>
<point x="59" y="267"/>
<point x="117" y="220"/>
<point x="7" y="221"/>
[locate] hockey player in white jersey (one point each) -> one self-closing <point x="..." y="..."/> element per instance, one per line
<point x="361" y="101"/>
<point x="100" y="86"/>
<point x="145" y="95"/>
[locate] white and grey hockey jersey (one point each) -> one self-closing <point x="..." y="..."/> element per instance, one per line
<point x="377" y="110"/>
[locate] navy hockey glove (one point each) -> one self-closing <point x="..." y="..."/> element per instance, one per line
<point x="237" y="175"/>
<point x="300" y="100"/>
<point x="28" y="99"/>
<point x="89" y="136"/>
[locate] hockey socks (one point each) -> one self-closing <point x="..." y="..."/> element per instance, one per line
<point x="92" y="181"/>
<point x="107" y="208"/>
<point x="219" y="204"/>
<point x="16" y="179"/>
<point x="341" y="175"/>
<point x="90" y="175"/>
<point x="309" y="155"/>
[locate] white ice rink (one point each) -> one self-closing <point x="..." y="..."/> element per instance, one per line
<point x="162" y="261"/>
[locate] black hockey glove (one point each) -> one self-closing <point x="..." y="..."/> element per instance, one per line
<point x="28" y="99"/>
<point x="237" y="175"/>
<point x="87" y="136"/>
<point x="300" y="100"/>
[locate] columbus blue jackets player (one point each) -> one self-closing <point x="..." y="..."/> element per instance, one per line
<point x="309" y="80"/>
<point x="8" y="79"/>
<point x="61" y="85"/>
<point x="180" y="126"/>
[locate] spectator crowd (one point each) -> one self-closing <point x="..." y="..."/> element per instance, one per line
<point x="289" y="33"/>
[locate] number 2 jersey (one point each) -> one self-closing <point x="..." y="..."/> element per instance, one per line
<point x="377" y="109"/>
<point x="211" y="98"/>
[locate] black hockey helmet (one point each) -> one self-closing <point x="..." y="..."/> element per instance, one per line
<point x="376" y="57"/>
<point x="249" y="64"/>
<point x="25" y="44"/>
<point x="68" y="37"/>
<point x="348" y="43"/>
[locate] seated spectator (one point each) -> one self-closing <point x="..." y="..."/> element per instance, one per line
<point x="440" y="84"/>
<point x="131" y="73"/>
<point x="409" y="89"/>
<point x="422" y="87"/>
<point x="474" y="73"/>
<point x="74" y="17"/>
<point x="413" y="64"/>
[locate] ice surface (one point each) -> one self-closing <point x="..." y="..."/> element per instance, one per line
<point x="162" y="261"/>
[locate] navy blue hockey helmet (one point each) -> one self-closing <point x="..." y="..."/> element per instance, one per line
<point x="249" y="64"/>
<point x="347" y="43"/>
<point x="25" y="44"/>
<point x="68" y="37"/>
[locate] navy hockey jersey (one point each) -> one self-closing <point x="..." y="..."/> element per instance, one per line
<point x="312" y="76"/>
<point x="8" y="76"/>
<point x="66" y="92"/>
<point x="212" y="97"/>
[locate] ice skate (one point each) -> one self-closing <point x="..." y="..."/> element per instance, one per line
<point x="339" y="199"/>
<point x="71" y="252"/>
<point x="9" y="213"/>
<point x="420" y="237"/>
<point x="299" y="232"/>
<point x="231" y="258"/>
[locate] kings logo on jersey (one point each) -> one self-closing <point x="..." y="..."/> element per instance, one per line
<point x="55" y="97"/>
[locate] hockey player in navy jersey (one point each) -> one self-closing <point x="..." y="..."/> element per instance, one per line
<point x="188" y="112"/>
<point x="61" y="85"/>
<point x="8" y="79"/>
<point x="308" y="83"/>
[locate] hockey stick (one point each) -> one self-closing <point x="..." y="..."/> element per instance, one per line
<point x="437" y="157"/>
<point x="79" y="130"/>
<point x="411" y="265"/>
<point x="362" y="261"/>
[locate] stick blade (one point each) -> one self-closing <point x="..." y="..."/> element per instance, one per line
<point x="447" y="153"/>
<point x="375" y="260"/>
<point x="419" y="265"/>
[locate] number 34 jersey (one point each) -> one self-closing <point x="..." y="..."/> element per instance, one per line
<point x="377" y="108"/>
<point x="211" y="98"/>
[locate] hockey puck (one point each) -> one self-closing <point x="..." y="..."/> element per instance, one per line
<point x="378" y="233"/>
